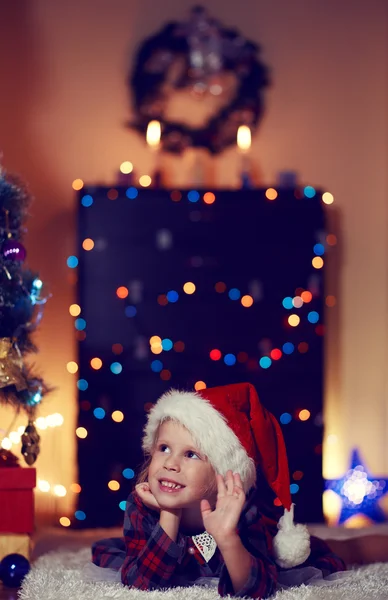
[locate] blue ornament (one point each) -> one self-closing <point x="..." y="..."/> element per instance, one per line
<point x="359" y="491"/>
<point x="13" y="569"/>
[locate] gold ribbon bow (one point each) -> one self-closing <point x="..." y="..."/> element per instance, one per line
<point x="11" y="366"/>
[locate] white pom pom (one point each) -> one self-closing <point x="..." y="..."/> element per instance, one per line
<point x="292" y="542"/>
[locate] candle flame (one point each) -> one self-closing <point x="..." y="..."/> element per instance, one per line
<point x="153" y="134"/>
<point x="244" y="138"/>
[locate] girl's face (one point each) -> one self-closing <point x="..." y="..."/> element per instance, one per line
<point x="176" y="459"/>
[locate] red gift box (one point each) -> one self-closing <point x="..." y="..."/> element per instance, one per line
<point x="17" y="499"/>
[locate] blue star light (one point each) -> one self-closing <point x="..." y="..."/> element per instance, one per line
<point x="359" y="491"/>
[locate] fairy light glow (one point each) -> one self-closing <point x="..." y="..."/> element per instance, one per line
<point x="126" y="167"/>
<point x="77" y="184"/>
<point x="327" y="198"/>
<point x="317" y="262"/>
<point x="74" y="310"/>
<point x="271" y="194"/>
<point x="199" y="385"/>
<point x="145" y="180"/>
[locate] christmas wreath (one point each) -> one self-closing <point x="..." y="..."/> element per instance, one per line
<point x="209" y="61"/>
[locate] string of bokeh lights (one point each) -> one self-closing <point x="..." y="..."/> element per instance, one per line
<point x="158" y="345"/>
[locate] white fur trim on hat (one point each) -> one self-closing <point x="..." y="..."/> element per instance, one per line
<point x="209" y="429"/>
<point x="292" y="542"/>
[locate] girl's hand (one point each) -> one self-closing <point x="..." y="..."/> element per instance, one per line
<point x="222" y="522"/>
<point x="146" y="496"/>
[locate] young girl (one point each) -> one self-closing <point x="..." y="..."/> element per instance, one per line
<point x="196" y="516"/>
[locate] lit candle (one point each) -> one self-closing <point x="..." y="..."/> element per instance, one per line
<point x="153" y="136"/>
<point x="244" y="141"/>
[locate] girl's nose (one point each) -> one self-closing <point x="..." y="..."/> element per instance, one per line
<point x="172" y="463"/>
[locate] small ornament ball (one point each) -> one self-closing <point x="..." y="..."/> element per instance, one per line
<point x="14" y="250"/>
<point x="13" y="569"/>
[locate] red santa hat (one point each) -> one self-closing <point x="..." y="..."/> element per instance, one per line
<point x="232" y="428"/>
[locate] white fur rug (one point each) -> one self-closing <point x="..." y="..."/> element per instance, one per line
<point x="57" y="576"/>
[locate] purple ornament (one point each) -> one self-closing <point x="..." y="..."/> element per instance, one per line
<point x="14" y="250"/>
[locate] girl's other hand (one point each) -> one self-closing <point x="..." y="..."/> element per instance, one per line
<point x="146" y="496"/>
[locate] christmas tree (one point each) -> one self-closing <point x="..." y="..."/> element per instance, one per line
<point x="21" y="307"/>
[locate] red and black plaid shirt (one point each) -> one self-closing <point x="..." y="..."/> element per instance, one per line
<point x="149" y="559"/>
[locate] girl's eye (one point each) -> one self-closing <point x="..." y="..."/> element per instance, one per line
<point x="191" y="454"/>
<point x="162" y="447"/>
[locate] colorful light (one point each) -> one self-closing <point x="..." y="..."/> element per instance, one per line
<point x="359" y="491"/>
<point x="167" y="344"/>
<point x="265" y="362"/>
<point x="247" y="301"/>
<point x="234" y="294"/>
<point x="96" y="363"/>
<point x="116" y="368"/>
<point x="193" y="196"/>
<point x="317" y="262"/>
<point x="271" y="194"/>
<point x="306" y="297"/>
<point x="132" y="193"/>
<point x="88" y="244"/>
<point x="122" y="292"/>
<point x="126" y="167"/>
<point x="80" y="324"/>
<point x="313" y="316"/>
<point x="117" y="348"/>
<point x="172" y="296"/>
<point x="309" y="191"/>
<point x="215" y="354"/>
<point x="176" y="196"/>
<point x="99" y="413"/>
<point x="288" y="302"/>
<point x="319" y="249"/>
<point x="230" y="359"/>
<point x="276" y="354"/>
<point x="209" y="198"/>
<point x="145" y="180"/>
<point x="331" y="301"/>
<point x="114" y="485"/>
<point x="285" y="418"/>
<point x="199" y="385"/>
<point x="82" y="385"/>
<point x="87" y="200"/>
<point x="117" y="416"/>
<point x="189" y="287"/>
<point x="81" y="432"/>
<point x="156" y="366"/>
<point x="130" y="311"/>
<point x="304" y="415"/>
<point x="77" y="184"/>
<point x="327" y="198"/>
<point x="80" y="515"/>
<point x="297" y="302"/>
<point x="288" y="348"/>
<point x="72" y="262"/>
<point x="293" y="320"/>
<point x="74" y="310"/>
<point x="128" y="473"/>
<point x="220" y="287"/>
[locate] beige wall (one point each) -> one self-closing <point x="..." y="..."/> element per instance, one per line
<point x="63" y="102"/>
